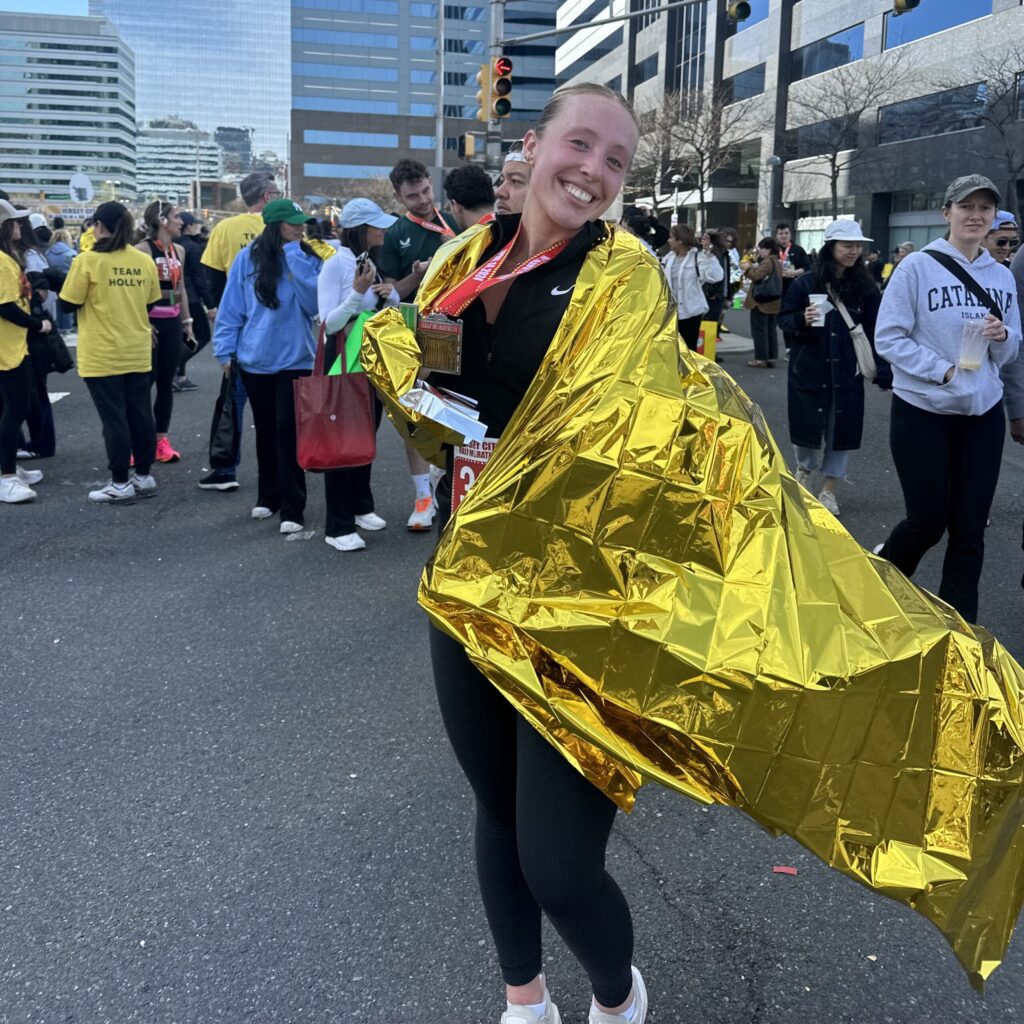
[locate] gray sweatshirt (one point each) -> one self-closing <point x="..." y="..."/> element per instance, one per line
<point x="1013" y="371"/>
<point x="919" y="325"/>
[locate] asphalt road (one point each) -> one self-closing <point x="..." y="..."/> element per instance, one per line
<point x="226" y="795"/>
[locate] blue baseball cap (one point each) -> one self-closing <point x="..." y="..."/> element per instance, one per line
<point x="1003" y="219"/>
<point x="365" y="211"/>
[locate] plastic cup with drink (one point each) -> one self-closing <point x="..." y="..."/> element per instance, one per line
<point x="973" y="345"/>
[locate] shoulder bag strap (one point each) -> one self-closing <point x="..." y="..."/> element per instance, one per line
<point x="967" y="281"/>
<point x="841" y="307"/>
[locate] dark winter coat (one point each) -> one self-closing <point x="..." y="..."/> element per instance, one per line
<point x="823" y="375"/>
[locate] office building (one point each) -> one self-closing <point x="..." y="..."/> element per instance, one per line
<point x="236" y="146"/>
<point x="215" y="64"/>
<point x="173" y="155"/>
<point x="68" y="98"/>
<point x="365" y="84"/>
<point x="933" y="75"/>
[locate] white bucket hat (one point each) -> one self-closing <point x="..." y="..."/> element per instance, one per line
<point x="845" y="231"/>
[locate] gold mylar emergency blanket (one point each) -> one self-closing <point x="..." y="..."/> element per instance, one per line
<point x="639" y="573"/>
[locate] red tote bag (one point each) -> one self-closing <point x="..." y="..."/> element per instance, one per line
<point x="334" y="427"/>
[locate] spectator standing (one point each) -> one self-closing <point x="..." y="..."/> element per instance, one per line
<point x="688" y="268"/>
<point x="264" y="323"/>
<point x="1013" y="372"/>
<point x="42" y="436"/>
<point x="513" y="182"/>
<point x="348" y="286"/>
<point x="716" y="291"/>
<point x="947" y="426"/>
<point x="111" y="285"/>
<point x="794" y="262"/>
<point x="470" y="195"/>
<point x="764" y="300"/>
<point x="197" y="290"/>
<point x="409" y="244"/>
<point x="826" y="389"/>
<point x="1004" y="238"/>
<point x="15" y="367"/>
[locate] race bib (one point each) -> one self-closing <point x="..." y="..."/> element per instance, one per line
<point x="470" y="460"/>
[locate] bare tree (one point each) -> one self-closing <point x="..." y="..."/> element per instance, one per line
<point x="830" y="116"/>
<point x="997" y="106"/>
<point x="695" y="135"/>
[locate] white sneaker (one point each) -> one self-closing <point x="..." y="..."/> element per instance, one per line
<point x="524" y="1015"/>
<point x="289" y="527"/>
<point x="371" y="521"/>
<point x="14" y="492"/>
<point x="261" y="512"/>
<point x="29" y="477"/>
<point x="347" y="542"/>
<point x="803" y="476"/>
<point x="422" y="517"/>
<point x="144" y="484"/>
<point x="639" y="1014"/>
<point x="828" y="499"/>
<point x="114" y="493"/>
<point x="877" y="549"/>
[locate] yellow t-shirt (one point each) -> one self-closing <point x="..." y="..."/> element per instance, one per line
<point x="113" y="289"/>
<point x="13" y="288"/>
<point x="87" y="241"/>
<point x="321" y="248"/>
<point x="229" y="238"/>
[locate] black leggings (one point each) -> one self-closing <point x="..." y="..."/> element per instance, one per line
<point x="165" y="366"/>
<point x="15" y="396"/>
<point x="948" y="468"/>
<point x="541" y="834"/>
<point x="689" y="331"/>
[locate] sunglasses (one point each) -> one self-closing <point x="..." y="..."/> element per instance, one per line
<point x="1007" y="243"/>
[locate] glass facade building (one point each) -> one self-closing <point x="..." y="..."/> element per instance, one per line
<point x="67" y="97"/>
<point x="364" y="84"/>
<point x="217" y="65"/>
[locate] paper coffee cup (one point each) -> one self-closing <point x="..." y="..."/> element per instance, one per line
<point x="818" y="299"/>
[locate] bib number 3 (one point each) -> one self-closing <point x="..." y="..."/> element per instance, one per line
<point x="470" y="460"/>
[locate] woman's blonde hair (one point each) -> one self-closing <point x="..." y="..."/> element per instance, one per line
<point x="557" y="100"/>
<point x="62" y="235"/>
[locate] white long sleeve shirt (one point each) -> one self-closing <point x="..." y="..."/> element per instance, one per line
<point x="337" y="301"/>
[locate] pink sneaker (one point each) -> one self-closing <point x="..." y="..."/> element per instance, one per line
<point x="164" y="451"/>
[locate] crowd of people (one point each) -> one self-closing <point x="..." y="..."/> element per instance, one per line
<point x="939" y="326"/>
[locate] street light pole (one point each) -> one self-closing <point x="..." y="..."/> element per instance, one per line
<point x="439" y="119"/>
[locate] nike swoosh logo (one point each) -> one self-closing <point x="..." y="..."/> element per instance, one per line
<point x="562" y="291"/>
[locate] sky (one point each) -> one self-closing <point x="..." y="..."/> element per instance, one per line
<point x="79" y="7"/>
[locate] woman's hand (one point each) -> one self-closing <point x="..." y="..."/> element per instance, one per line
<point x="382" y="291"/>
<point x="995" y="329"/>
<point x="46" y="327"/>
<point x="364" y="279"/>
<point x="811" y="313"/>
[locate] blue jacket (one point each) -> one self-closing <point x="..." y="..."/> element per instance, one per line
<point x="59" y="256"/>
<point x="269" y="340"/>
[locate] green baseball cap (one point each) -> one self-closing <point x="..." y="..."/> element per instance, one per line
<point x="285" y="211"/>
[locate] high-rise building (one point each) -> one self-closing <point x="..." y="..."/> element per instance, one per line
<point x="365" y="83"/>
<point x="68" y="98"/>
<point x="936" y="92"/>
<point x="214" y="64"/>
<point x="172" y="156"/>
<point x="236" y="146"/>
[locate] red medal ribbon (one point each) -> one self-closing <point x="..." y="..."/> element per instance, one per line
<point x="456" y="299"/>
<point x="488" y="218"/>
<point x="427" y="225"/>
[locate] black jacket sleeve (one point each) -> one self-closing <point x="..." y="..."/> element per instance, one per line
<point x="218" y="281"/>
<point x="196" y="281"/>
<point x="16" y="315"/>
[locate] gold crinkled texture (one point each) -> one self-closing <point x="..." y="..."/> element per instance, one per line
<point x="639" y="574"/>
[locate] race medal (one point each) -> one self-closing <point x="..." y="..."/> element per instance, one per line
<point x="469" y="463"/>
<point x="440" y="342"/>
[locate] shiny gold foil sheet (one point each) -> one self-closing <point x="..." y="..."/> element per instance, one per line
<point x="639" y="573"/>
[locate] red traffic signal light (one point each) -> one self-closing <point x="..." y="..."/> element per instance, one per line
<point x="501" y="86"/>
<point x="503" y="66"/>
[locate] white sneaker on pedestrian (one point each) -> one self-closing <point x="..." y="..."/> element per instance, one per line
<point x="639" y="1006"/>
<point x="371" y="521"/>
<point x="261" y="512"/>
<point x="803" y="476"/>
<point x="14" y="492"/>
<point x="111" y="493"/>
<point x="527" y="1015"/>
<point x="144" y="484"/>
<point x="828" y="499"/>
<point x="422" y="517"/>
<point x="877" y="549"/>
<point x="291" y="527"/>
<point x="347" y="542"/>
<point x="29" y="477"/>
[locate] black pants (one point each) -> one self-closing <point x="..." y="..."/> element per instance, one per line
<point x="541" y="834"/>
<point x="42" y="436"/>
<point x="15" y="396"/>
<point x="948" y="468"/>
<point x="348" y="491"/>
<point x="766" y="341"/>
<point x="714" y="313"/>
<point x="165" y="366"/>
<point x="201" y="330"/>
<point x="689" y="331"/>
<point x="282" y="483"/>
<point x="122" y="402"/>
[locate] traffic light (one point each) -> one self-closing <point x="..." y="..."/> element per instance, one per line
<point x="483" y="79"/>
<point x="467" y="146"/>
<point x="902" y="6"/>
<point x="501" y="87"/>
<point x="741" y="11"/>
